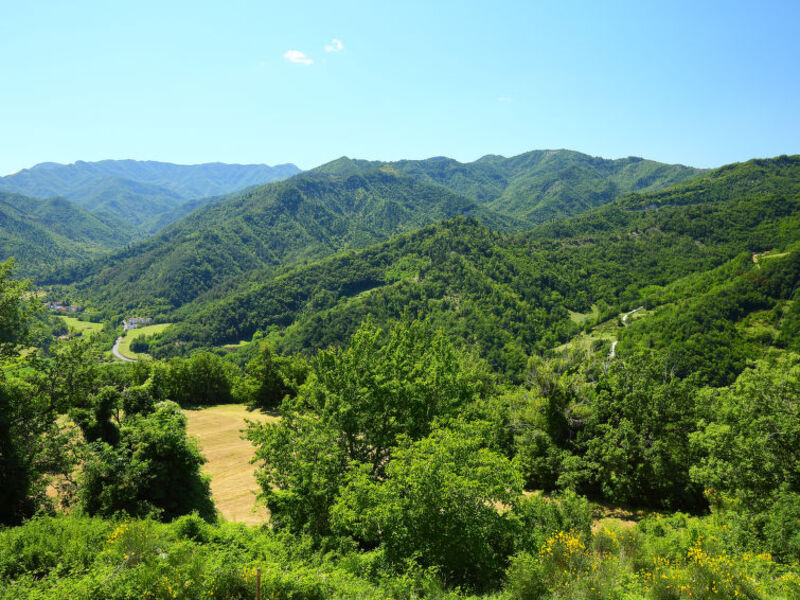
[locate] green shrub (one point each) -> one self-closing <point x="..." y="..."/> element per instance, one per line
<point x="538" y="518"/>
<point x="48" y="545"/>
<point x="525" y="578"/>
<point x="782" y="527"/>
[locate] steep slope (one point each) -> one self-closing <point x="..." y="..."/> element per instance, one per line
<point x="132" y="202"/>
<point x="44" y="234"/>
<point x="138" y="192"/>
<point x="536" y="186"/>
<point x="304" y="218"/>
<point x="507" y="295"/>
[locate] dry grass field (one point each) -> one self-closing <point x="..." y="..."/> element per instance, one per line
<point x="233" y="485"/>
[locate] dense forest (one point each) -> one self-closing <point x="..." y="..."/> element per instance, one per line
<point x="508" y="296"/>
<point x="348" y="204"/>
<point x="462" y="402"/>
<point x="54" y="233"/>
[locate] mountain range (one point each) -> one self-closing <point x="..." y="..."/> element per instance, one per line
<point x="138" y="194"/>
<point x="348" y="204"/>
<point x="501" y="253"/>
<point x="510" y="294"/>
<point x="51" y="233"/>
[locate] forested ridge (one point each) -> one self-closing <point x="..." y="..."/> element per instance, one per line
<point x="602" y="406"/>
<point x="140" y="195"/>
<point x="348" y="204"/>
<point x="535" y="186"/>
<point x="307" y="217"/>
<point x="43" y="234"/>
<point x="504" y="295"/>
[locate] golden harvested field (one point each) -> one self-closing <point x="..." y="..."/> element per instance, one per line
<point x="233" y="485"/>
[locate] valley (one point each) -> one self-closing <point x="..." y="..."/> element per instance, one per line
<point x="380" y="301"/>
<point x="469" y="368"/>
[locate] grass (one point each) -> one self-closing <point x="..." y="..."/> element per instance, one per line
<point x="581" y="318"/>
<point x="82" y="326"/>
<point x="763" y="256"/>
<point x="607" y="331"/>
<point x="125" y="344"/>
<point x="233" y="485"/>
<point x="231" y="347"/>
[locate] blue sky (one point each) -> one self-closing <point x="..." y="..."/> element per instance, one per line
<point x="700" y="83"/>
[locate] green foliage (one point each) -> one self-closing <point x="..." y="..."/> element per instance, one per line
<point x="200" y="380"/>
<point x="535" y="186"/>
<point x="439" y="505"/>
<point x="353" y="409"/>
<point x="47" y="234"/>
<point x="398" y="460"/>
<point x="32" y="447"/>
<point x="79" y="557"/>
<point x="95" y="421"/>
<point x="752" y="436"/>
<point x="153" y="469"/>
<point x="269" y="228"/>
<point x="538" y="518"/>
<point x="269" y="378"/>
<point x="623" y="438"/>
<point x="351" y="204"/>
<point x="15" y="311"/>
<point x="139" y="345"/>
<point x="635" y="446"/>
<point x="505" y="297"/>
<point x="51" y="545"/>
<point x="782" y="526"/>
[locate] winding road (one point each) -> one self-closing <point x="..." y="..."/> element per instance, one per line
<point x="624" y="318"/>
<point x="629" y="313"/>
<point x="118" y="354"/>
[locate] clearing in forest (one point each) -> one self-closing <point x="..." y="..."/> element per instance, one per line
<point x="81" y="326"/>
<point x="233" y="485"/>
<point x="128" y="337"/>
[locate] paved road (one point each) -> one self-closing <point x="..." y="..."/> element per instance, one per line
<point x="117" y="353"/>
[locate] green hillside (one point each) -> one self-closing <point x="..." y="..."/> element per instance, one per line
<point x="349" y="204"/>
<point x="47" y="234"/>
<point x="536" y="186"/>
<point x="509" y="295"/>
<point x="305" y="218"/>
<point x="605" y="406"/>
<point x="138" y="193"/>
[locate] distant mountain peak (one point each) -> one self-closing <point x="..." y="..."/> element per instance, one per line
<point x="140" y="192"/>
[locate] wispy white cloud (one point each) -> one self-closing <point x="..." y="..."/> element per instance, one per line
<point x="297" y="57"/>
<point x="505" y="100"/>
<point x="334" y="46"/>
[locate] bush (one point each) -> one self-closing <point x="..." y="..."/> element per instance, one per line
<point x="140" y="345"/>
<point x="538" y="518"/>
<point x="525" y="578"/>
<point x="439" y="507"/>
<point x="782" y="527"/>
<point x="51" y="544"/>
<point x="154" y="470"/>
